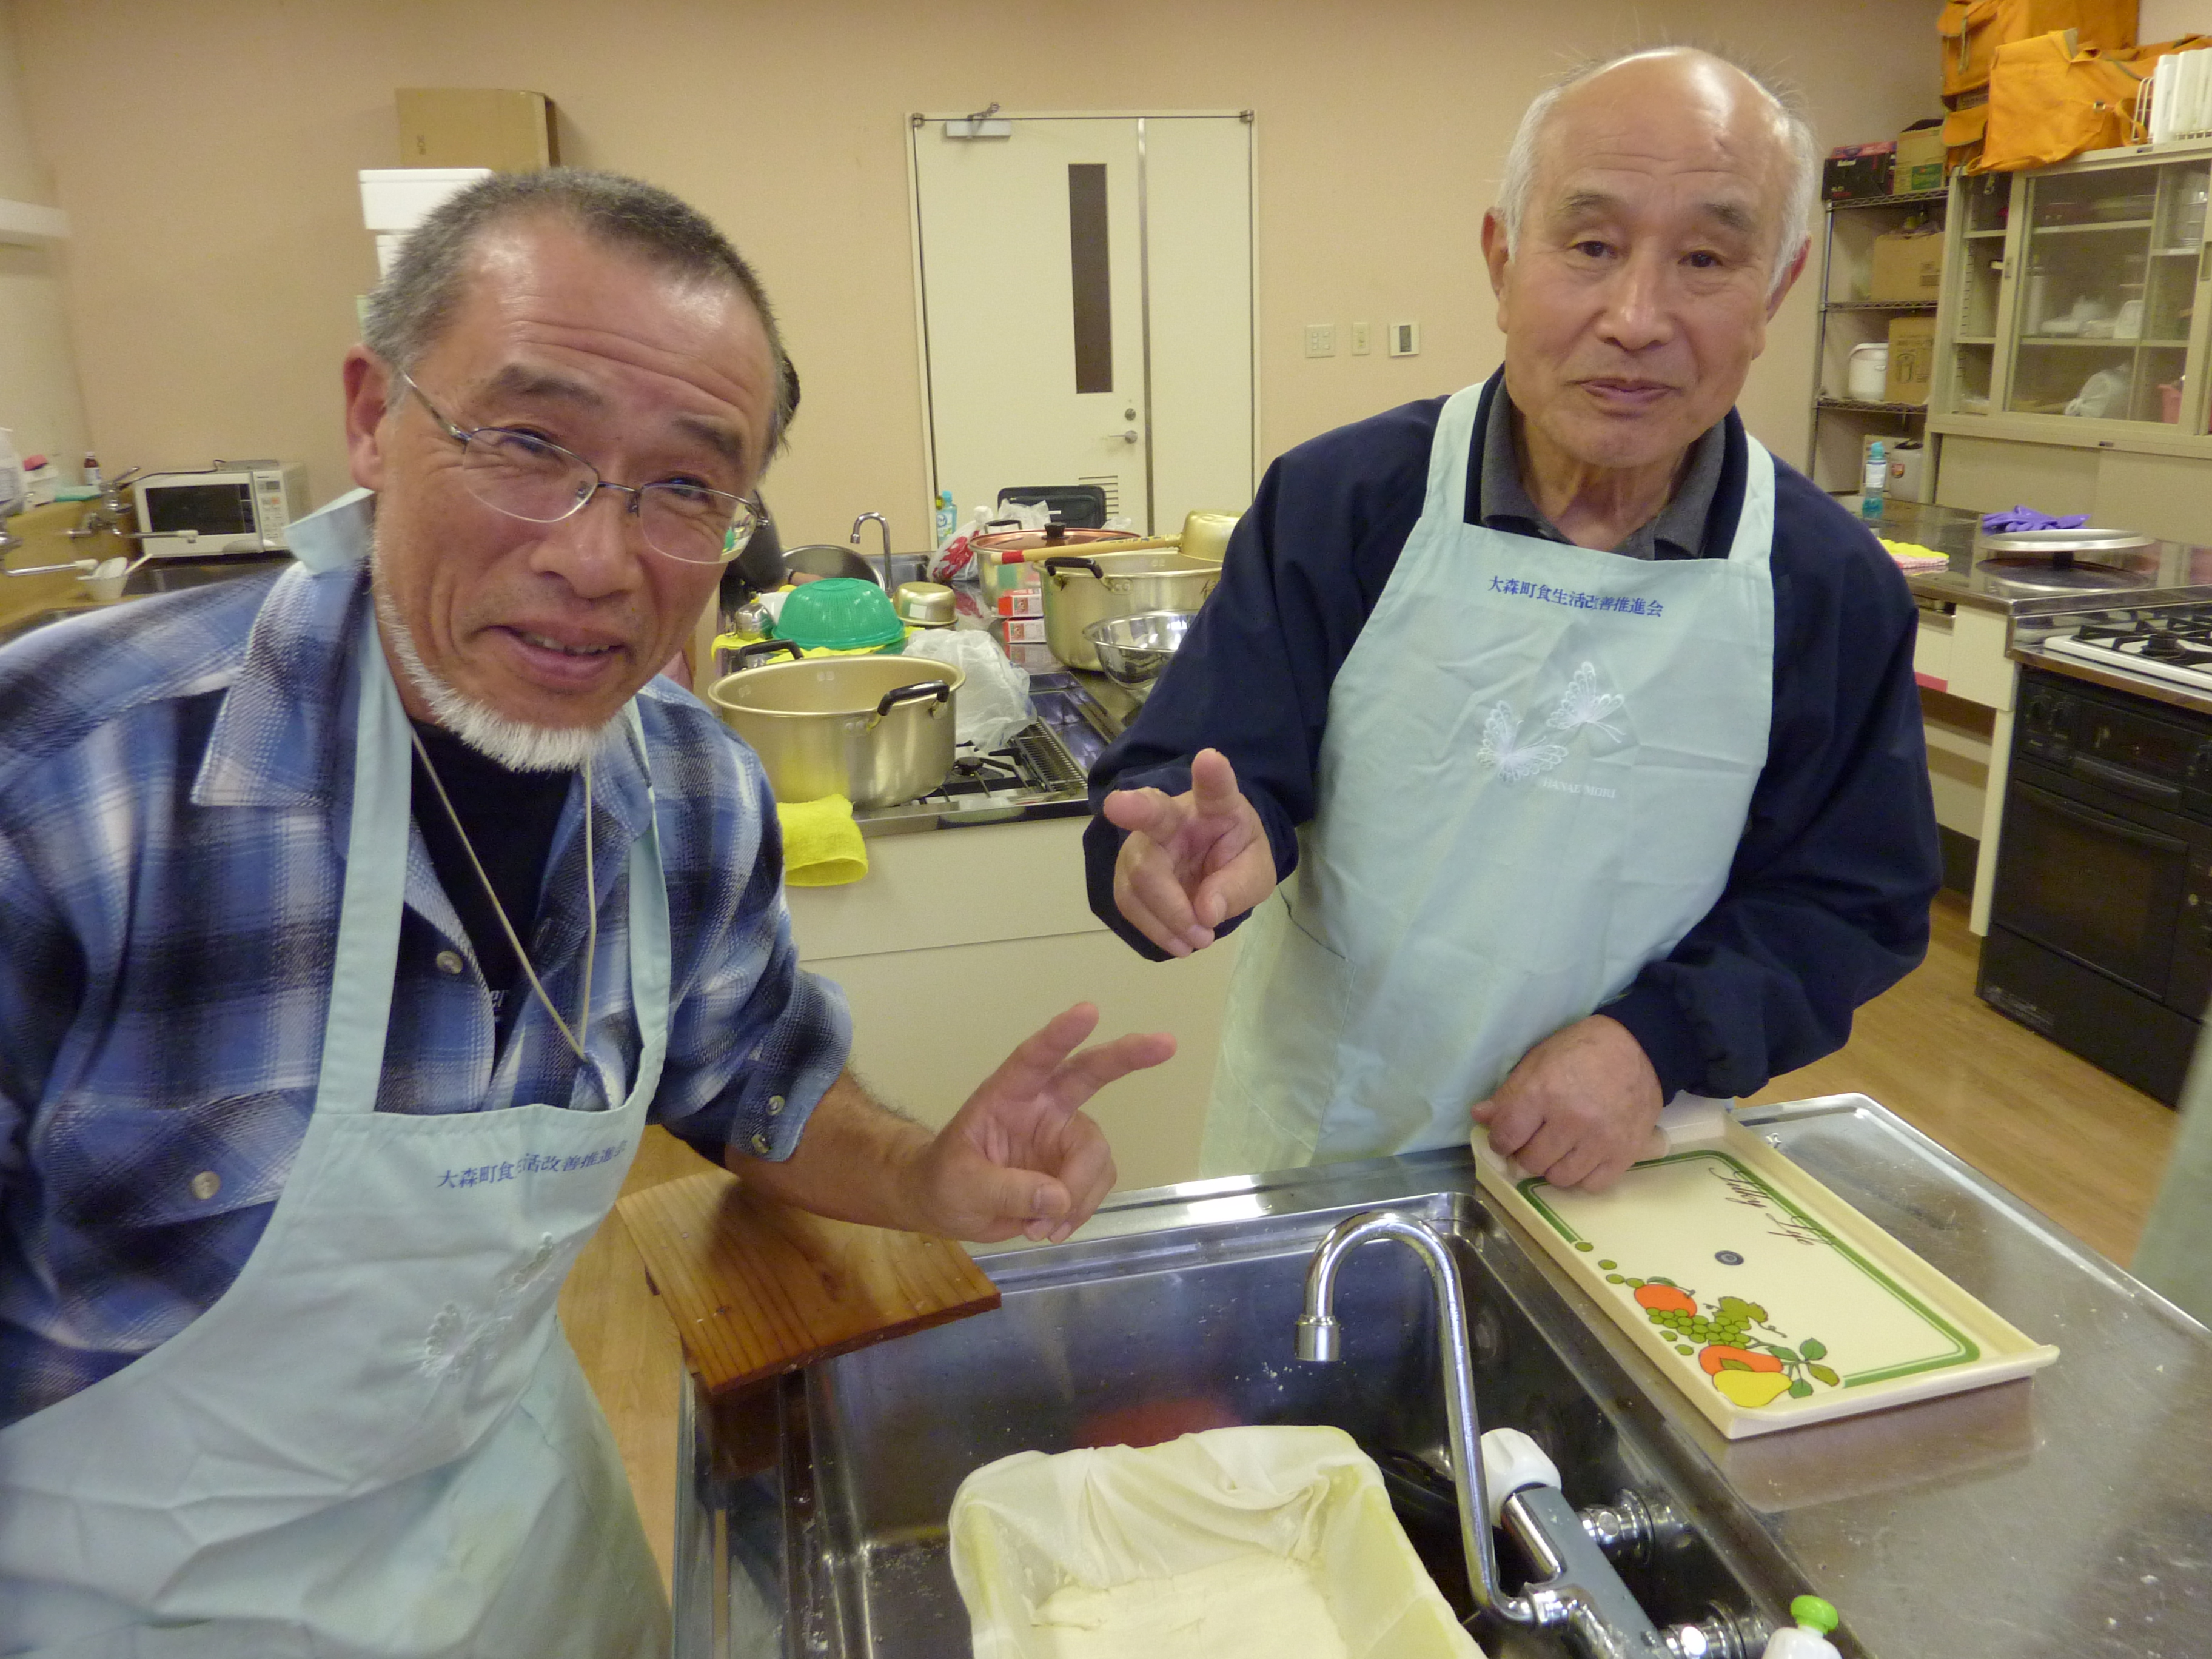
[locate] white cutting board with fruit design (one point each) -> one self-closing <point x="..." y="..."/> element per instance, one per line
<point x="1767" y="1299"/>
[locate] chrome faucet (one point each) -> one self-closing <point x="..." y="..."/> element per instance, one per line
<point x="1580" y="1592"/>
<point x="882" y="524"/>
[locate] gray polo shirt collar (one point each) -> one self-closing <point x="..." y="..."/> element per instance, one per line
<point x="1678" y="531"/>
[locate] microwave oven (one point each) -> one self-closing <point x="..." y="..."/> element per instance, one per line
<point x="233" y="507"/>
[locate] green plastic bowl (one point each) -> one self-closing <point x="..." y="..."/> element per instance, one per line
<point x="839" y="613"/>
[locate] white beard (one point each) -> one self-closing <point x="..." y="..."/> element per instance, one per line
<point x="516" y="744"/>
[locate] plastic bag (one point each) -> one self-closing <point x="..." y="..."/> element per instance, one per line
<point x="954" y="558"/>
<point x="2103" y="396"/>
<point x="993" y="703"/>
<point x="1042" y="1548"/>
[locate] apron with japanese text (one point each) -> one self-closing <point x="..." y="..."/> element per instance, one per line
<point x="1536" y="769"/>
<point x="376" y="1444"/>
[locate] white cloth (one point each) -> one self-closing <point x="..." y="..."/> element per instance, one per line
<point x="1536" y="769"/>
<point x="377" y="1442"/>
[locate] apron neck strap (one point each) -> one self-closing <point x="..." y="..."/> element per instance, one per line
<point x="1453" y="453"/>
<point x="375" y="895"/>
<point x="375" y="890"/>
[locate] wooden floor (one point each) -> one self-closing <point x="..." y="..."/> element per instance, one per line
<point x="2084" y="1149"/>
<point x="2074" y="1142"/>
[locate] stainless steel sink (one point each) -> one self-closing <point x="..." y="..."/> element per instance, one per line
<point x="812" y="1518"/>
<point x="1190" y="1325"/>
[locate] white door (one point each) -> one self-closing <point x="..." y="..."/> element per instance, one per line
<point x="1086" y="304"/>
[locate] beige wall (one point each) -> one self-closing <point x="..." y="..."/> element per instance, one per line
<point x="2169" y="20"/>
<point x="207" y="153"/>
<point x="38" y="374"/>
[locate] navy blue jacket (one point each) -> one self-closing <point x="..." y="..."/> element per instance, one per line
<point x="1826" y="902"/>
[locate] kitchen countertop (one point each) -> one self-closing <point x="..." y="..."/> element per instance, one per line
<point x="1950" y="531"/>
<point x="49" y="604"/>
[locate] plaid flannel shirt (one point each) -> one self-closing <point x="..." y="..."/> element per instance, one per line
<point x="175" y="778"/>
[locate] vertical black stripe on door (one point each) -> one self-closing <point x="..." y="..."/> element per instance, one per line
<point x="1091" y="275"/>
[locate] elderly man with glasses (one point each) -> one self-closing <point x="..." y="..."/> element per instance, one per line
<point x="357" y="921"/>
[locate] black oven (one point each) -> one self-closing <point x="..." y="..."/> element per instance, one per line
<point x="2100" y="929"/>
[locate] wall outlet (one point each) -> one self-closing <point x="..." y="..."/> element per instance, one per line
<point x="1320" y="339"/>
<point x="1405" y="339"/>
<point x="1363" y="338"/>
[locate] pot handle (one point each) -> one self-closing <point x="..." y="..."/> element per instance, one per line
<point x="1060" y="564"/>
<point x="920" y="691"/>
<point x="751" y="656"/>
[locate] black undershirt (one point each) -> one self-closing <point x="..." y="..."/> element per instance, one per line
<point x="510" y="817"/>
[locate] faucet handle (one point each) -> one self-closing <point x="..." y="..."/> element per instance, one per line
<point x="1512" y="1462"/>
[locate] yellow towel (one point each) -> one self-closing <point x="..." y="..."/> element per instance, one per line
<point x="822" y="845"/>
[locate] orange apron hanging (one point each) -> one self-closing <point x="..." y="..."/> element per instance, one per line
<point x="2050" y="99"/>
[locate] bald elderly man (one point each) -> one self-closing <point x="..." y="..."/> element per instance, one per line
<point x="1556" y="744"/>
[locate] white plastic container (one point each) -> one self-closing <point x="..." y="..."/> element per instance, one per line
<point x="1866" y="372"/>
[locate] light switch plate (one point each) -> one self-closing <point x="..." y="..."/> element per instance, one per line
<point x="1363" y="338"/>
<point x="1320" y="339"/>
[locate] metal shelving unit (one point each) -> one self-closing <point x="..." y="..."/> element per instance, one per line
<point x="1836" y="425"/>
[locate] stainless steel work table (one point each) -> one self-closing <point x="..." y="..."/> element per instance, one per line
<point x="2068" y="1515"/>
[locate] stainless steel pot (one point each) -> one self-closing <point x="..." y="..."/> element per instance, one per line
<point x="1097" y="587"/>
<point x="876" y="730"/>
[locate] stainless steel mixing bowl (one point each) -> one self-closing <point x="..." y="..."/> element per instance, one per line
<point x="1133" y="651"/>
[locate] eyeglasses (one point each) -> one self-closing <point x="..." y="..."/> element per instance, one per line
<point x="532" y="478"/>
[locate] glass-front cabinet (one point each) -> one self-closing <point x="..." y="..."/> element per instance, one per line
<point x="2074" y="304"/>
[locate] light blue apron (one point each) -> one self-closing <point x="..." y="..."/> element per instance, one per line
<point x="377" y="1442"/>
<point x="1536" y="772"/>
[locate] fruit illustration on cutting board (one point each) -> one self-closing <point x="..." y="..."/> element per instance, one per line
<point x="1749" y="1361"/>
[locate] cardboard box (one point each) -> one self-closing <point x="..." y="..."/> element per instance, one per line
<point x="1911" y="360"/>
<point x="1022" y="602"/>
<point x="1024" y="631"/>
<point x="475" y="127"/>
<point x="1907" y="266"/>
<point x="1920" y="157"/>
<point x="1857" y="170"/>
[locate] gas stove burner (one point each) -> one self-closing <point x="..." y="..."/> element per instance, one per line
<point x="985" y="771"/>
<point x="2170" y="642"/>
<point x="1038" y="772"/>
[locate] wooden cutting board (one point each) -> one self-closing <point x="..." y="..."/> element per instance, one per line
<point x="756" y="1288"/>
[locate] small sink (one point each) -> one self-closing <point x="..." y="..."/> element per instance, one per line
<point x="1182" y="1321"/>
